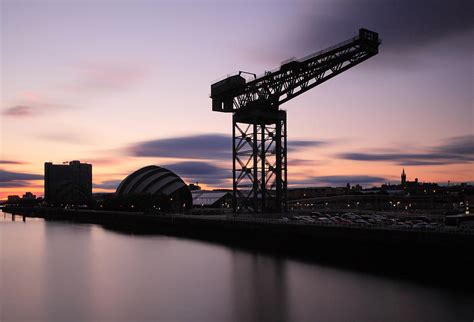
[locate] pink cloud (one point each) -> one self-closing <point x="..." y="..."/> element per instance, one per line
<point x="104" y="161"/>
<point x="33" y="104"/>
<point x="31" y="96"/>
<point x="19" y="111"/>
<point x="108" y="76"/>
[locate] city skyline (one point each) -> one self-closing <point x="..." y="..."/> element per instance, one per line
<point x="130" y="88"/>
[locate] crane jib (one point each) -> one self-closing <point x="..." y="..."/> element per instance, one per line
<point x="225" y="93"/>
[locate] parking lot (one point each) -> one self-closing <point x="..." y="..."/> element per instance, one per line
<point x="368" y="219"/>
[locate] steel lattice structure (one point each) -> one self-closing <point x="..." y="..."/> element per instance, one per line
<point x="259" y="161"/>
<point x="259" y="127"/>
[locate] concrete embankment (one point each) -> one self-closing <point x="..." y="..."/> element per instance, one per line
<point x="290" y="234"/>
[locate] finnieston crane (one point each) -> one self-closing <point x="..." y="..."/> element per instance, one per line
<point x="259" y="144"/>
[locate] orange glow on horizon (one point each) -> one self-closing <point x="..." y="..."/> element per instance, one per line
<point x="457" y="173"/>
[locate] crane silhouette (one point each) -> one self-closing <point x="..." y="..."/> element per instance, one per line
<point x="259" y="140"/>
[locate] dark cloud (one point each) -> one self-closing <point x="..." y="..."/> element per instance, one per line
<point x="14" y="184"/>
<point x="340" y="180"/>
<point x="451" y="151"/>
<point x="109" y="184"/>
<point x="300" y="144"/>
<point x="460" y="145"/>
<point x="10" y="179"/>
<point x="405" y="157"/>
<point x="422" y="162"/>
<point x="205" y="146"/>
<point x="403" y="24"/>
<point x="201" y="172"/>
<point x="306" y="163"/>
<point x="300" y="162"/>
<point x="18" y="111"/>
<point x="7" y="176"/>
<point x="10" y="162"/>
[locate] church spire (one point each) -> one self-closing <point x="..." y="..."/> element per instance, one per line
<point x="404" y="177"/>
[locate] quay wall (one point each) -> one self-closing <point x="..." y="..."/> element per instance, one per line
<point x="286" y="235"/>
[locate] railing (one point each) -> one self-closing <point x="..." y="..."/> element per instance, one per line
<point x="323" y="51"/>
<point x="305" y="58"/>
<point x="310" y="56"/>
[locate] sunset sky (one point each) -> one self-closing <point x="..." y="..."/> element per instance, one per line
<point x="125" y="84"/>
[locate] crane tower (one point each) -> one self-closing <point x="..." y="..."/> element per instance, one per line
<point x="259" y="144"/>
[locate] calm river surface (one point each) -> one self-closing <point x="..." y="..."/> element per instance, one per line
<point x="55" y="271"/>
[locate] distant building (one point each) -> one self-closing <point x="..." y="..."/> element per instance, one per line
<point x="13" y="199"/>
<point x="415" y="187"/>
<point x="212" y="199"/>
<point x="101" y="196"/>
<point x="194" y="187"/>
<point x="29" y="196"/>
<point x="314" y="192"/>
<point x="28" y="199"/>
<point x="68" y="183"/>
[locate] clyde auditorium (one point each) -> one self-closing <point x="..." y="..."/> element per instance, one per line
<point x="157" y="181"/>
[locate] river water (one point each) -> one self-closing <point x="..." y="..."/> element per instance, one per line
<point x="57" y="271"/>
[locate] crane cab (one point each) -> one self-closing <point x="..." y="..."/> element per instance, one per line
<point x="369" y="39"/>
<point x="223" y="92"/>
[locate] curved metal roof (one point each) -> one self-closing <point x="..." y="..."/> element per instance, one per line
<point x="151" y="179"/>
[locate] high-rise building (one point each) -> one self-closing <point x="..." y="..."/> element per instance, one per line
<point x="68" y="183"/>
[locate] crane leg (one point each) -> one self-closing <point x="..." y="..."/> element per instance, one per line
<point x="259" y="161"/>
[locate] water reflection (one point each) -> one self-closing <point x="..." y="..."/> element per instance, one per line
<point x="55" y="271"/>
<point x="21" y="262"/>
<point x="66" y="252"/>
<point x="259" y="287"/>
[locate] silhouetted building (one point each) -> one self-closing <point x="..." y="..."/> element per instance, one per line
<point x="67" y="183"/>
<point x="28" y="199"/>
<point x="13" y="199"/>
<point x="100" y="196"/>
<point x="212" y="199"/>
<point x="194" y="187"/>
<point x="154" y="187"/>
<point x="415" y="187"/>
<point x="29" y="196"/>
<point x="313" y="192"/>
